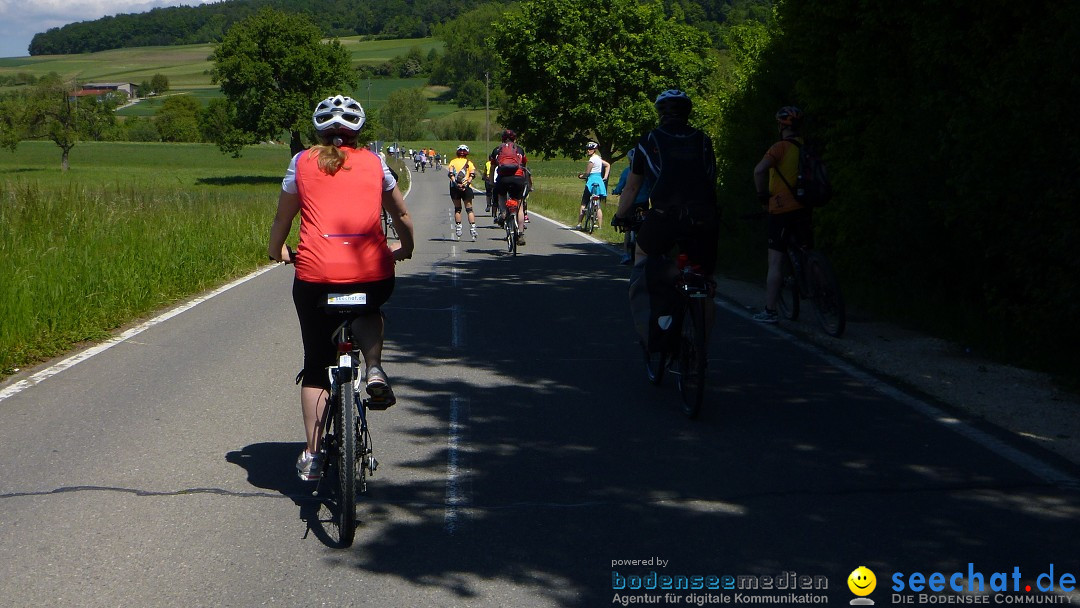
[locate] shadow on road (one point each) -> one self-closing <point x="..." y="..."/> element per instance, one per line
<point x="568" y="463"/>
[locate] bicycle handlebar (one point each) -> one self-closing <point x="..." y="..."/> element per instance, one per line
<point x="292" y="256"/>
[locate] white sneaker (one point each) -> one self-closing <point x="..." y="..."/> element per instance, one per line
<point x="309" y="466"/>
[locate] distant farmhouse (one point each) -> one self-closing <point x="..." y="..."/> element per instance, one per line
<point x="100" y="89"/>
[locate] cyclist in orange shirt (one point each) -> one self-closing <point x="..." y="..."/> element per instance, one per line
<point x="786" y="215"/>
<point x="339" y="191"/>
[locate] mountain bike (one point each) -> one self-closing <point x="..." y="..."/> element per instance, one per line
<point x="808" y="274"/>
<point x="346" y="440"/>
<point x="686" y="353"/>
<point x="590" y="222"/>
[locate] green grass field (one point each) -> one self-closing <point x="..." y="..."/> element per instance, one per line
<point x="188" y="69"/>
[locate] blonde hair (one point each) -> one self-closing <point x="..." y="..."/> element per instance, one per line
<point x="331" y="158"/>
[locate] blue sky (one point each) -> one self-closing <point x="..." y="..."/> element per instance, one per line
<point x="21" y="19"/>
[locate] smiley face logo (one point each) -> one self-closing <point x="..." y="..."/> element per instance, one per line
<point x="862" y="581"/>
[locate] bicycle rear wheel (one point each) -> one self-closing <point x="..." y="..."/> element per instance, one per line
<point x="511" y="232"/>
<point x="346" y="461"/>
<point x="825" y="289"/>
<point x="692" y="361"/>
<point x="787" y="302"/>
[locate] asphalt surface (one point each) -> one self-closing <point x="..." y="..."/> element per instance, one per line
<point x="528" y="461"/>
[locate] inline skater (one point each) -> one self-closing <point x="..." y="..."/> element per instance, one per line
<point x="461" y="171"/>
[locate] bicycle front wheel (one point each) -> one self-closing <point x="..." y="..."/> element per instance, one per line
<point x="828" y="302"/>
<point x="345" y="421"/>
<point x="692" y="362"/>
<point x="787" y="302"/>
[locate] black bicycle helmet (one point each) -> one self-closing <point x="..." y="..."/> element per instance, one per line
<point x="509" y="135"/>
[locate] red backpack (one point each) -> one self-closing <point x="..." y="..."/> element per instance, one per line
<point x="509" y="159"/>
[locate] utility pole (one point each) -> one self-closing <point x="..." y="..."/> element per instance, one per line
<point x="487" y="109"/>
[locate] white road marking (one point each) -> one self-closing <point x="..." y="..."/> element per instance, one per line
<point x="77" y="358"/>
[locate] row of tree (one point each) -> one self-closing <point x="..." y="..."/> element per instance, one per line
<point x="209" y="22"/>
<point x="946" y="128"/>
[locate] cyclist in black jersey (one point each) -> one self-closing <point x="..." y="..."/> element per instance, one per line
<point x="681" y="164"/>
<point x="680" y="161"/>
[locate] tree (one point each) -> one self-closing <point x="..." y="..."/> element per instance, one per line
<point x="467" y="55"/>
<point x="178" y="119"/>
<point x="54" y="111"/>
<point x="159" y="83"/>
<point x="11" y="124"/>
<point x="566" y="84"/>
<point x="401" y="115"/>
<point x="273" y="68"/>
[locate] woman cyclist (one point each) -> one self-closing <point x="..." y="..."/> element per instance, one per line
<point x="595" y="176"/>
<point x="339" y="191"/>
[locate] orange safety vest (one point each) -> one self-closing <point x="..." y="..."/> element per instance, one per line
<point x="341" y="236"/>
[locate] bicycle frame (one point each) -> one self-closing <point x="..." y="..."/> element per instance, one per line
<point x="813" y="279"/>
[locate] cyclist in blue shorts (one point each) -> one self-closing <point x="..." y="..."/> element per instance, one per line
<point x="595" y="176"/>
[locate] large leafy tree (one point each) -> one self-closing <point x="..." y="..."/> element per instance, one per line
<point x="53" y="111"/>
<point x="273" y="68"/>
<point x="580" y="69"/>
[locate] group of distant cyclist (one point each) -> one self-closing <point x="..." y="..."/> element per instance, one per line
<point x="667" y="196"/>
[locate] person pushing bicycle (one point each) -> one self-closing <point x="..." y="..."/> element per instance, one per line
<point x="787" y="217"/>
<point x="340" y="191"/>
<point x="680" y="161"/>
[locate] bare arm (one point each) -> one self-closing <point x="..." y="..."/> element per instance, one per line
<point x="394" y="204"/>
<point x="761" y="176"/>
<point x="606" y="170"/>
<point x="288" y="207"/>
<point x="629" y="193"/>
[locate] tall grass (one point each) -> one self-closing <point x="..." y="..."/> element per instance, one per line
<point x="130" y="229"/>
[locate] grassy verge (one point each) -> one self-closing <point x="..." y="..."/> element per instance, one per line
<point x="130" y="229"/>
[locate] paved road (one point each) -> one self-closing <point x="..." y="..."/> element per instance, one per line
<point x="526" y="456"/>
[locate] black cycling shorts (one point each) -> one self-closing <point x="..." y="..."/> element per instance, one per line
<point x="796" y="224"/>
<point x="317" y="325"/>
<point x="513" y="186"/>
<point x="661" y="232"/>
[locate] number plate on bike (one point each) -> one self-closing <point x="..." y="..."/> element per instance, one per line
<point x="346" y="299"/>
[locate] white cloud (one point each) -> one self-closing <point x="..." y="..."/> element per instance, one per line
<point x="21" y="19"/>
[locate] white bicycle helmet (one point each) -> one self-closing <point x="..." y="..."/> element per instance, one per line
<point x="463" y="148"/>
<point x="339" y="112"/>
<point x="592" y="145"/>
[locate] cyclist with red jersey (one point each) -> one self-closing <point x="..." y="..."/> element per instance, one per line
<point x="339" y="191"/>
<point x="508" y="161"/>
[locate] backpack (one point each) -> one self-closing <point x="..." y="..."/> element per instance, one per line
<point x="509" y="158"/>
<point x="811" y="188"/>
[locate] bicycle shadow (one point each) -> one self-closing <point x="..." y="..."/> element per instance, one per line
<point x="271" y="466"/>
